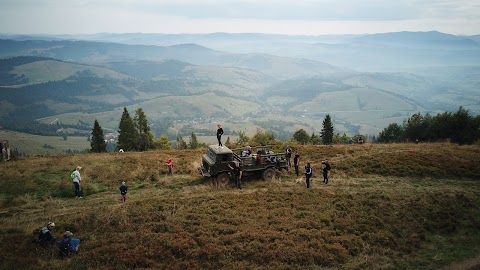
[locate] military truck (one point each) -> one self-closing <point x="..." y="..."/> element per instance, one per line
<point x="262" y="163"/>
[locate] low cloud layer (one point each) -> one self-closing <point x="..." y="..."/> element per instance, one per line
<point x="268" y="16"/>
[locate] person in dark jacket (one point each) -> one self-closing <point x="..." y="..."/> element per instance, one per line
<point x="288" y="155"/>
<point x="219" y="135"/>
<point x="326" y="168"/>
<point x="308" y="174"/>
<point x="123" y="191"/>
<point x="296" y="162"/>
<point x="237" y="173"/>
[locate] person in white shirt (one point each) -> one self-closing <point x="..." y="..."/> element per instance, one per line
<point x="76" y="182"/>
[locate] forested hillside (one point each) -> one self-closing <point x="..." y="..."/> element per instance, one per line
<point x="186" y="88"/>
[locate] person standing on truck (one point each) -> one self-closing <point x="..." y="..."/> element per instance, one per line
<point x="288" y="155"/>
<point x="296" y="162"/>
<point x="237" y="173"/>
<point x="219" y="135"/>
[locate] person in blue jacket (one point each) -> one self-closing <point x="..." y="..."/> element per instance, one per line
<point x="68" y="244"/>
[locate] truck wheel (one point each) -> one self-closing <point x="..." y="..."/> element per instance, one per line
<point x="223" y="179"/>
<point x="268" y="174"/>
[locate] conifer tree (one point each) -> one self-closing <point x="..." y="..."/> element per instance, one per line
<point x="97" y="142"/>
<point x="327" y="130"/>
<point x="180" y="143"/>
<point x="315" y="139"/>
<point x="127" y="137"/>
<point x="193" y="144"/>
<point x="228" y="143"/>
<point x="145" y="137"/>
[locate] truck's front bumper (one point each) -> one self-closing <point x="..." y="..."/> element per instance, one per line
<point x="203" y="172"/>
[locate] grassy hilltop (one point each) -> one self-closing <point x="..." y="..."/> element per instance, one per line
<point x="400" y="206"/>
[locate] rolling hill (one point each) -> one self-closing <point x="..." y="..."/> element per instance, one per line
<point x="186" y="87"/>
<point x="396" y="206"/>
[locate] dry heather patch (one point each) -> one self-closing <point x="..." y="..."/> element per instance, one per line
<point x="364" y="219"/>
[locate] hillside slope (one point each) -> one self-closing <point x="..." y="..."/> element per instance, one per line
<point x="386" y="207"/>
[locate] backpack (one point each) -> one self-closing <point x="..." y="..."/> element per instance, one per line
<point x="72" y="175"/>
<point x="64" y="248"/>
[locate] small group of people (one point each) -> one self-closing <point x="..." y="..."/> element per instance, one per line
<point x="308" y="168"/>
<point x="296" y="158"/>
<point x="66" y="246"/>
<point x="325" y="169"/>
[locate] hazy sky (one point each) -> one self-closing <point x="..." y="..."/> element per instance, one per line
<point x="297" y="17"/>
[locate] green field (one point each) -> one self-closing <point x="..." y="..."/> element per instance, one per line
<point x="51" y="70"/>
<point x="35" y="144"/>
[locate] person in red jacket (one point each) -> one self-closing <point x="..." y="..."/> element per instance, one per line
<point x="170" y="165"/>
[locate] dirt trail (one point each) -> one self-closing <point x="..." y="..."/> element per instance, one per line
<point x="470" y="264"/>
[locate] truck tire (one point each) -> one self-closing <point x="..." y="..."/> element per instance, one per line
<point x="268" y="174"/>
<point x="223" y="179"/>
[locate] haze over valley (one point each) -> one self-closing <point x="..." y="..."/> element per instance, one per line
<point x="246" y="81"/>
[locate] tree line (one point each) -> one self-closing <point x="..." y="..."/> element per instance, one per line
<point x="457" y="127"/>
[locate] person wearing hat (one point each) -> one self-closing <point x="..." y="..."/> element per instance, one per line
<point x="46" y="234"/>
<point x="76" y="181"/>
<point x="68" y="245"/>
<point x="123" y="191"/>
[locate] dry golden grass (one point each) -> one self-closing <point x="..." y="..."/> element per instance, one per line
<point x="384" y="208"/>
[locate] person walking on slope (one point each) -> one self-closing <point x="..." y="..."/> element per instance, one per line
<point x="288" y="155"/>
<point x="123" y="191"/>
<point x="219" y="135"/>
<point x="76" y="182"/>
<point x="326" y="168"/>
<point x="308" y="174"/>
<point x="296" y="162"/>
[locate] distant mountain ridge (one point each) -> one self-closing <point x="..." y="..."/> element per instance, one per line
<point x="273" y="82"/>
<point x="403" y="51"/>
<point x="100" y="53"/>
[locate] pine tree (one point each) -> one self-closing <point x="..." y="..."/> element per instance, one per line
<point x="327" y="130"/>
<point x="193" y="144"/>
<point x="228" y="143"/>
<point x="315" y="139"/>
<point x="97" y="142"/>
<point x="242" y="138"/>
<point x="180" y="143"/>
<point x="127" y="137"/>
<point x="145" y="137"/>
